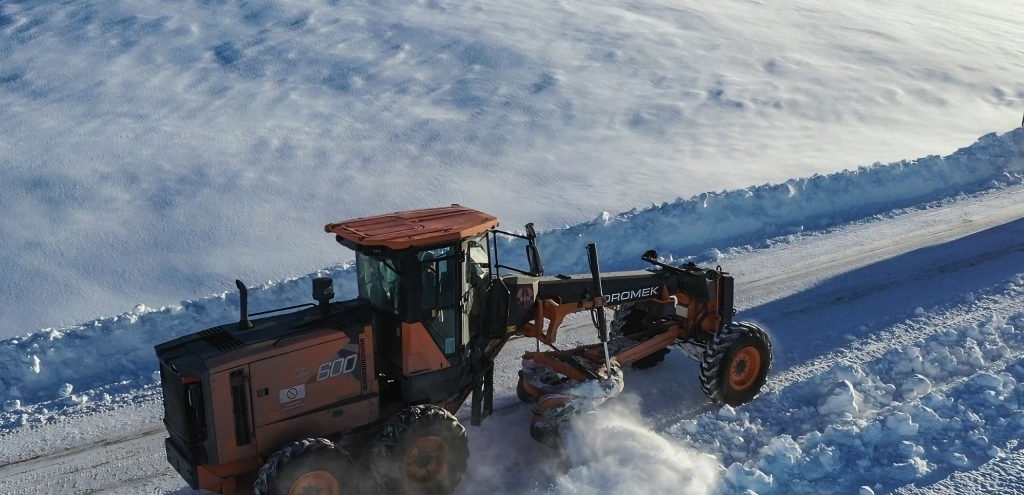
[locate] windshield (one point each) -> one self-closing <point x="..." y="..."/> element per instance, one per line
<point x="378" y="282"/>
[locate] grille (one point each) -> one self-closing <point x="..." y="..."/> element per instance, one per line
<point x="364" y="380"/>
<point x="221" y="339"/>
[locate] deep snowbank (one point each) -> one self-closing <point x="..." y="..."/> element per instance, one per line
<point x="945" y="395"/>
<point x="54" y="369"/>
<point x="719" y="220"/>
<point x="90" y="364"/>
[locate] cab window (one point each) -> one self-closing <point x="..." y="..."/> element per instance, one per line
<point x="439" y="296"/>
<point x="378" y="282"/>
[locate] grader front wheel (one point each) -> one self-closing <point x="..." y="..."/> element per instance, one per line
<point x="736" y="364"/>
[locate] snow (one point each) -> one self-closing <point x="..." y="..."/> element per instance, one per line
<point x="152" y="151"/>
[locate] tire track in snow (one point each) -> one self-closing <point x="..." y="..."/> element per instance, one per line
<point x="900" y="335"/>
<point x="90" y="469"/>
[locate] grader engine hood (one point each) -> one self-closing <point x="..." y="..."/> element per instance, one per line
<point x="228" y="386"/>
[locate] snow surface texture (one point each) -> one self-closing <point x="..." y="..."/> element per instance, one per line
<point x="155" y="150"/>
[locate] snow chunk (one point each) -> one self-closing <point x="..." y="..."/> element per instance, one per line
<point x="988" y="380"/>
<point x="12" y="405"/>
<point x="65" y="390"/>
<point x="958" y="460"/>
<point x="36" y="364"/>
<point x="901" y="424"/>
<point x="780" y="454"/>
<point x="842" y="400"/>
<point x="915" y="386"/>
<point x="747" y="477"/>
<point x="712" y="254"/>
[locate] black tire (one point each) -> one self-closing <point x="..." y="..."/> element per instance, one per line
<point x="421" y="450"/>
<point x="550" y="438"/>
<point x="736" y="364"/>
<point x="652" y="360"/>
<point x="313" y="465"/>
<point x="521" y="391"/>
<point x="627" y="322"/>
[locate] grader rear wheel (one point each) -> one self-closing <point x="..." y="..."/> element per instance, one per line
<point x="313" y="466"/>
<point x="421" y="450"/>
<point x="736" y="363"/>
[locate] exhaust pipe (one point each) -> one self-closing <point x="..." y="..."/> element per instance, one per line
<point x="243" y="301"/>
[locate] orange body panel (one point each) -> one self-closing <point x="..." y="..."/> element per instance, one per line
<point x="421" y="354"/>
<point x="234" y="478"/>
<point x="228" y="449"/>
<point x="284" y="384"/>
<point x="318" y="424"/>
<point x="320" y="377"/>
<point x="294" y="387"/>
<point x="405" y="229"/>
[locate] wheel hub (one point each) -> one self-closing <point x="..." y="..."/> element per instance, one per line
<point x="745" y="368"/>
<point x="316" y="483"/>
<point x="426" y="459"/>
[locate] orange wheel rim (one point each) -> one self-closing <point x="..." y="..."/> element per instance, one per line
<point x="426" y="459"/>
<point x="744" y="369"/>
<point x="316" y="482"/>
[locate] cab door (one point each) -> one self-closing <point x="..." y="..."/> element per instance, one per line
<point x="475" y="283"/>
<point x="439" y="298"/>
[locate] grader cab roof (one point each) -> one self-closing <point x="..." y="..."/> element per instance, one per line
<point x="404" y="229"/>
